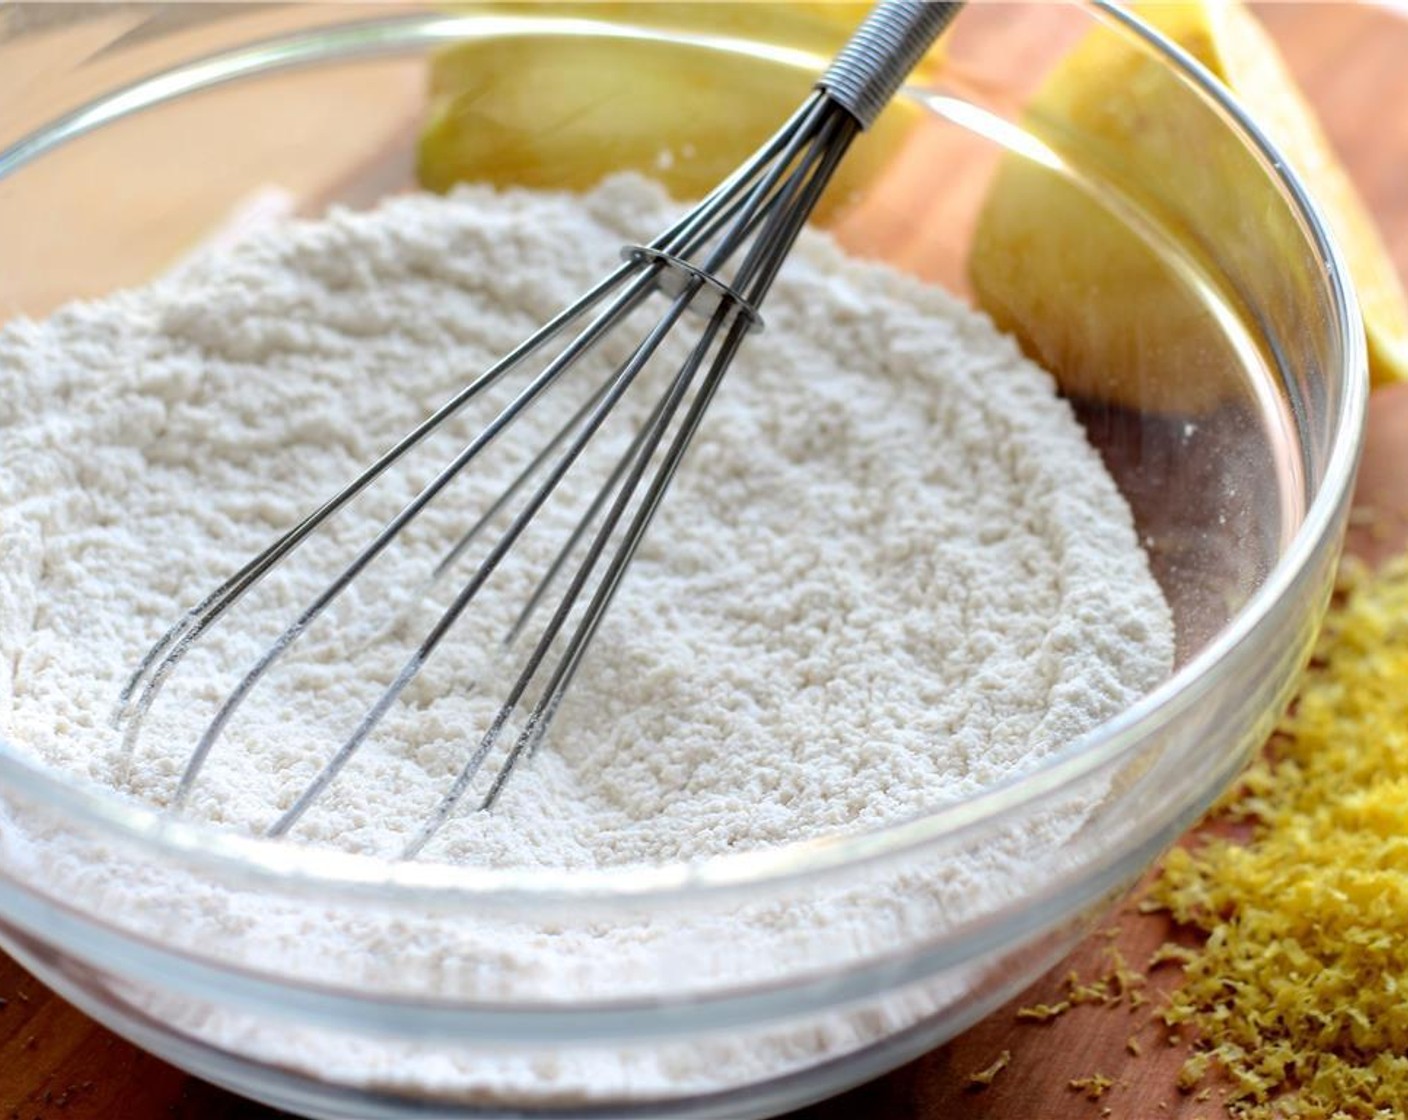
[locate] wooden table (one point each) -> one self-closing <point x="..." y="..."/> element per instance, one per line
<point x="56" y="1063"/>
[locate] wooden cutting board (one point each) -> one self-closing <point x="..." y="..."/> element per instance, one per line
<point x="56" y="1063"/>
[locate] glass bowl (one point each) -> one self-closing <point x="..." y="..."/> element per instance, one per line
<point x="132" y="134"/>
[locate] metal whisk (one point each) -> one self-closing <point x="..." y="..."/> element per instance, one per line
<point x="720" y="259"/>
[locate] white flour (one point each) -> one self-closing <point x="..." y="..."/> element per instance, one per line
<point x="891" y="573"/>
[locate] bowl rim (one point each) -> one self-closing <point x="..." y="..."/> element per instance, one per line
<point x="345" y="875"/>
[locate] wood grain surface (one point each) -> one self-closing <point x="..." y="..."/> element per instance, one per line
<point x="56" y="1063"/>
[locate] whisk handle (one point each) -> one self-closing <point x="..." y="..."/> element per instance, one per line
<point x="879" y="56"/>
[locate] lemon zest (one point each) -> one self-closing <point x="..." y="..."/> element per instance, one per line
<point x="985" y="1077"/>
<point x="1094" y="1087"/>
<point x="1043" y="1012"/>
<point x="1297" y="993"/>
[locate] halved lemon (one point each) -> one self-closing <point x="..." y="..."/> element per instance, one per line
<point x="1110" y="310"/>
<point x="1228" y="40"/>
<point x="561" y="111"/>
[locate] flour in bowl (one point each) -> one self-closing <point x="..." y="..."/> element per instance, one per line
<point x="891" y="574"/>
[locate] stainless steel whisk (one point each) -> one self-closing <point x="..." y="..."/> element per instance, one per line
<point x="756" y="215"/>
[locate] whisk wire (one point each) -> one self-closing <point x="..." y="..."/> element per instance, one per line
<point x="584" y="524"/>
<point x="451" y="799"/>
<point x="583" y="343"/>
<point x="165" y="654"/>
<point x="789" y="207"/>
<point x="765" y="258"/>
<point x="757" y="214"/>
<point x="633" y="295"/>
<point x="636" y="255"/>
<point x="162" y="657"/>
<point x="620" y="382"/>
<point x="641" y="449"/>
<point x="597" y="413"/>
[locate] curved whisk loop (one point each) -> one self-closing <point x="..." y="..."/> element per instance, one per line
<point x="717" y="262"/>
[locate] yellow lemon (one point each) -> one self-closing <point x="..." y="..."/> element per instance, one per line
<point x="1100" y="299"/>
<point x="560" y="111"/>
<point x="1226" y="39"/>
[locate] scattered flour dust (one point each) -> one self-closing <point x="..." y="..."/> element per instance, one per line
<point x="891" y="573"/>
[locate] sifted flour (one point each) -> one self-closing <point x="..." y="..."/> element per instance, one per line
<point x="891" y="574"/>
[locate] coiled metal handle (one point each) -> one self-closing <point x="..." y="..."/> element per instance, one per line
<point x="886" y="46"/>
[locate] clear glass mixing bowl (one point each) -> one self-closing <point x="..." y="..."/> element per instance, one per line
<point x="130" y="134"/>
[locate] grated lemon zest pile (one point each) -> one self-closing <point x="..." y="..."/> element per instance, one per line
<point x="1300" y="992"/>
